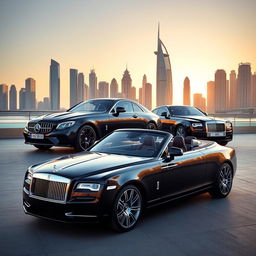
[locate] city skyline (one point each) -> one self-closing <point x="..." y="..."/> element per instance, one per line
<point x="197" y="42"/>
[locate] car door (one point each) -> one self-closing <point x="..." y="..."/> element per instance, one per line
<point x="140" y="117"/>
<point x="183" y="173"/>
<point x="167" y="123"/>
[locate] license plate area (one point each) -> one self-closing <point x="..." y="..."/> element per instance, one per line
<point x="37" y="136"/>
<point x="216" y="134"/>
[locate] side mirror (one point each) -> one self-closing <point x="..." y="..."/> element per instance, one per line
<point x="165" y="115"/>
<point x="173" y="151"/>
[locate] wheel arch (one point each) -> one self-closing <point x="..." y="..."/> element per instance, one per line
<point x="92" y="125"/>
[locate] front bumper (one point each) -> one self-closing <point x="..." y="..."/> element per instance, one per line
<point x="203" y="135"/>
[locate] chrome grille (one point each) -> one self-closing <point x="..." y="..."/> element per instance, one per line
<point x="216" y="127"/>
<point x="48" y="189"/>
<point x="45" y="127"/>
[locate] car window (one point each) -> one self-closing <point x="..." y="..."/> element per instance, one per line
<point x="126" y="105"/>
<point x="185" y="111"/>
<point x="162" y="110"/>
<point x="137" y="108"/>
<point x="155" y="111"/>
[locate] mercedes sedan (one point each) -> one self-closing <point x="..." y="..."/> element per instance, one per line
<point x="87" y="122"/>
<point x="127" y="171"/>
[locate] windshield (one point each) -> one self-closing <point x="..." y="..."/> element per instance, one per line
<point x="185" y="111"/>
<point x="131" y="143"/>
<point x="93" y="106"/>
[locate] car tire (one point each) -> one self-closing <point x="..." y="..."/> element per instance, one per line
<point x="181" y="131"/>
<point x="86" y="137"/>
<point x="151" y="126"/>
<point x="127" y="209"/>
<point x="223" y="143"/>
<point x="223" y="183"/>
<point x="42" y="147"/>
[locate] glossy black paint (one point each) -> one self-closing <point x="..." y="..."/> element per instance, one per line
<point x="160" y="178"/>
<point x="170" y="123"/>
<point x="102" y="122"/>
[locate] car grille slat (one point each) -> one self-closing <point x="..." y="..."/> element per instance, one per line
<point x="49" y="189"/>
<point x="215" y="127"/>
<point x="46" y="127"/>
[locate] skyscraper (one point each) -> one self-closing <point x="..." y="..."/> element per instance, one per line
<point x="73" y="87"/>
<point x="186" y="92"/>
<point x="148" y="96"/>
<point x="80" y="87"/>
<point x="244" y="92"/>
<point x="92" y="84"/>
<point x="86" y="92"/>
<point x="144" y="81"/>
<point x="199" y="101"/>
<point x="113" y="88"/>
<point x="22" y="98"/>
<point x="126" y="84"/>
<point x="13" y="98"/>
<point x="221" y="91"/>
<point x="103" y="91"/>
<point x="232" y="90"/>
<point x="211" y="97"/>
<point x="133" y="93"/>
<point x="30" y="94"/>
<point x="3" y="97"/>
<point x="163" y="75"/>
<point x="140" y="95"/>
<point x="54" y="85"/>
<point x="254" y="90"/>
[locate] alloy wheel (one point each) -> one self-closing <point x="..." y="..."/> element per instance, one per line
<point x="87" y="137"/>
<point x="151" y="126"/>
<point x="225" y="180"/>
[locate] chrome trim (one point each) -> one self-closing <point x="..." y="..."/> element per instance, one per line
<point x="25" y="190"/>
<point x="27" y="204"/>
<point x="51" y="177"/>
<point x="168" y="166"/>
<point x="111" y="187"/>
<point x="48" y="199"/>
<point x="70" y="214"/>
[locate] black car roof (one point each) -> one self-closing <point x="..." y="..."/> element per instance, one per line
<point x="142" y="130"/>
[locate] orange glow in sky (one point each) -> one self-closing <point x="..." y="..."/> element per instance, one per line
<point x="201" y="36"/>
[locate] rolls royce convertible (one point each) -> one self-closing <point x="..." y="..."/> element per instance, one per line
<point x="124" y="173"/>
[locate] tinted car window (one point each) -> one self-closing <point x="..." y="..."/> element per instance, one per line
<point x="126" y="105"/>
<point x="137" y="108"/>
<point x="131" y="143"/>
<point x="185" y="111"/>
<point x="155" y="111"/>
<point x="93" y="106"/>
<point x="162" y="110"/>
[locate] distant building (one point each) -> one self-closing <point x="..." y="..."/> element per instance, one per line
<point x="92" y="85"/>
<point x="164" y="85"/>
<point x="133" y="93"/>
<point x="113" y="88"/>
<point x="126" y="84"/>
<point x="73" y="87"/>
<point x="148" y="96"/>
<point x="80" y="87"/>
<point x="140" y="95"/>
<point x="44" y="105"/>
<point x="221" y="91"/>
<point x="103" y="91"/>
<point x="244" y="92"/>
<point x="30" y="94"/>
<point x="254" y="90"/>
<point x="186" y="91"/>
<point x="22" y="99"/>
<point x="199" y="101"/>
<point x="232" y="90"/>
<point x="144" y="81"/>
<point x="3" y="97"/>
<point x="86" y="92"/>
<point x="13" y="98"/>
<point x="211" y="97"/>
<point x="54" y="85"/>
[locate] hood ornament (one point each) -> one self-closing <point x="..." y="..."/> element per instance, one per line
<point x="55" y="168"/>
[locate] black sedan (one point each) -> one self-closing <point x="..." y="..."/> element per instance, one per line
<point x="127" y="171"/>
<point x="87" y="122"/>
<point x="191" y="121"/>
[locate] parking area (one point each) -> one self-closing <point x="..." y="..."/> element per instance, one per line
<point x="194" y="226"/>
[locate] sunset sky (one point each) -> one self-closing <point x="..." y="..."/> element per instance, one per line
<point x="200" y="35"/>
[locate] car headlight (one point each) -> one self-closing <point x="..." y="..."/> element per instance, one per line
<point x="28" y="177"/>
<point x="89" y="186"/>
<point x="197" y="125"/>
<point x="229" y="125"/>
<point x="65" y="125"/>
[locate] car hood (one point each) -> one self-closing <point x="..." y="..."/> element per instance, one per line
<point x="60" y="116"/>
<point x="86" y="164"/>
<point x="198" y="118"/>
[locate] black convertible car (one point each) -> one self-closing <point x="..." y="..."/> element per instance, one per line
<point x="125" y="172"/>
<point x="187" y="120"/>
<point x="87" y="122"/>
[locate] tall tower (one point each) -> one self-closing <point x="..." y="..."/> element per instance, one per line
<point x="3" y="97"/>
<point x="254" y="90"/>
<point x="199" y="101"/>
<point x="164" y="86"/>
<point x="73" y="87"/>
<point x="54" y="85"/>
<point x="92" y="84"/>
<point x="103" y="91"/>
<point x="233" y="90"/>
<point x="186" y="92"/>
<point x="148" y="96"/>
<point x="30" y="96"/>
<point x="221" y="91"/>
<point x="13" y="98"/>
<point x="144" y="81"/>
<point x="244" y="92"/>
<point x="211" y="97"/>
<point x="22" y="98"/>
<point x="80" y="87"/>
<point x="126" y="84"/>
<point x="113" y="88"/>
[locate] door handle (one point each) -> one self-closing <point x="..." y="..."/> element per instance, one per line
<point x="134" y="116"/>
<point x="168" y="166"/>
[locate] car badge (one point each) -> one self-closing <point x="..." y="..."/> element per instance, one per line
<point x="37" y="127"/>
